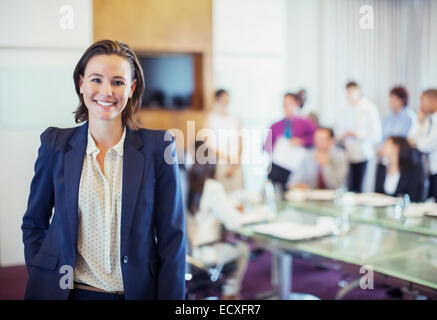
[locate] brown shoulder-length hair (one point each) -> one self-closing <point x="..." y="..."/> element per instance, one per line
<point x="110" y="47"/>
<point x="197" y="176"/>
<point x="401" y="93"/>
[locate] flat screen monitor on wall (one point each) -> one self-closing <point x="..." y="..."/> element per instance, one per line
<point x="169" y="81"/>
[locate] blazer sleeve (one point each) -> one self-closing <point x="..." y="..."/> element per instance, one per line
<point x="36" y="219"/>
<point x="170" y="222"/>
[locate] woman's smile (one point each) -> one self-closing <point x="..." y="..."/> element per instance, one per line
<point x="105" y="105"/>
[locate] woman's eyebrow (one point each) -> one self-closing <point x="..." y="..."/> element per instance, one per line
<point x="99" y="75"/>
<point x="95" y="74"/>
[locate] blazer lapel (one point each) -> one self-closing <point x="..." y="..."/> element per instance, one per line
<point x="133" y="167"/>
<point x="73" y="162"/>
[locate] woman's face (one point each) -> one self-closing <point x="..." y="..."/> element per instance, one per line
<point x="224" y="100"/>
<point x="396" y="104"/>
<point x="106" y="86"/>
<point x="389" y="149"/>
<point x="353" y="95"/>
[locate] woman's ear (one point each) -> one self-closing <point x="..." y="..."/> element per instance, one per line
<point x="132" y="88"/>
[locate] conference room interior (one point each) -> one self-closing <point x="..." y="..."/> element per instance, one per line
<point x="322" y="109"/>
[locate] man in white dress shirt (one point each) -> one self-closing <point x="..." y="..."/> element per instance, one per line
<point x="359" y="129"/>
<point x="425" y="135"/>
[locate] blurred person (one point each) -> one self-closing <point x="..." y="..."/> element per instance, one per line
<point x="359" y="129"/>
<point x="227" y="143"/>
<point x="118" y="221"/>
<point x="401" y="118"/>
<point x="324" y="167"/>
<point x="209" y="209"/>
<point x="400" y="171"/>
<point x="301" y="97"/>
<point x="424" y="135"/>
<point x="286" y="140"/>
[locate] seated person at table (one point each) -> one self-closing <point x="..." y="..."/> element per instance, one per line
<point x="324" y="167"/>
<point x="208" y="209"/>
<point x="400" y="170"/>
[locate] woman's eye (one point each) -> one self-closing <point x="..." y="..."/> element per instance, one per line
<point x="118" y="83"/>
<point x="96" y="80"/>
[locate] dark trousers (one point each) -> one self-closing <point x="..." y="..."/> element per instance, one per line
<point x="279" y="175"/>
<point x="79" y="294"/>
<point x="433" y="187"/>
<point x="356" y="176"/>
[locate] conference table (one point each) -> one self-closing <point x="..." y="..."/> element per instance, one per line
<point x="400" y="251"/>
<point x="388" y="216"/>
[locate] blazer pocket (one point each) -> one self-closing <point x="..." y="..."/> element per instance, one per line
<point x="44" y="261"/>
<point x="153" y="267"/>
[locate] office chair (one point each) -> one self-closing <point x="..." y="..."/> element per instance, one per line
<point x="204" y="280"/>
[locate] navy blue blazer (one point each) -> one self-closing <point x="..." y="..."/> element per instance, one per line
<point x="152" y="243"/>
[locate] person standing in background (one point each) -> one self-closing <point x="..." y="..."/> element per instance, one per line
<point x="425" y="135"/>
<point x="302" y="97"/>
<point x="359" y="130"/>
<point x="286" y="140"/>
<point x="401" y="118"/>
<point x="226" y="143"/>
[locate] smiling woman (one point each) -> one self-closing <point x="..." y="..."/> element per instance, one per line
<point x="95" y="175"/>
<point x="109" y="68"/>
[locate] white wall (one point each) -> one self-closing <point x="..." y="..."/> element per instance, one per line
<point x="263" y="48"/>
<point x="303" y="50"/>
<point x="249" y="61"/>
<point x="37" y="58"/>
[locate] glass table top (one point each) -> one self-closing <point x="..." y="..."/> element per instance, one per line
<point x="384" y="216"/>
<point x="404" y="255"/>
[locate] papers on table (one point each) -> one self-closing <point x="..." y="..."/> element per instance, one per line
<point x="319" y="194"/>
<point x="286" y="155"/>
<point x="373" y="199"/>
<point x="420" y="209"/>
<point x="251" y="218"/>
<point x="370" y="199"/>
<point x="255" y="215"/>
<point x="245" y="196"/>
<point x="296" y="231"/>
<point x="310" y="194"/>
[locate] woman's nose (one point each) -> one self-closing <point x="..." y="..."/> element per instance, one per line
<point x="107" y="89"/>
